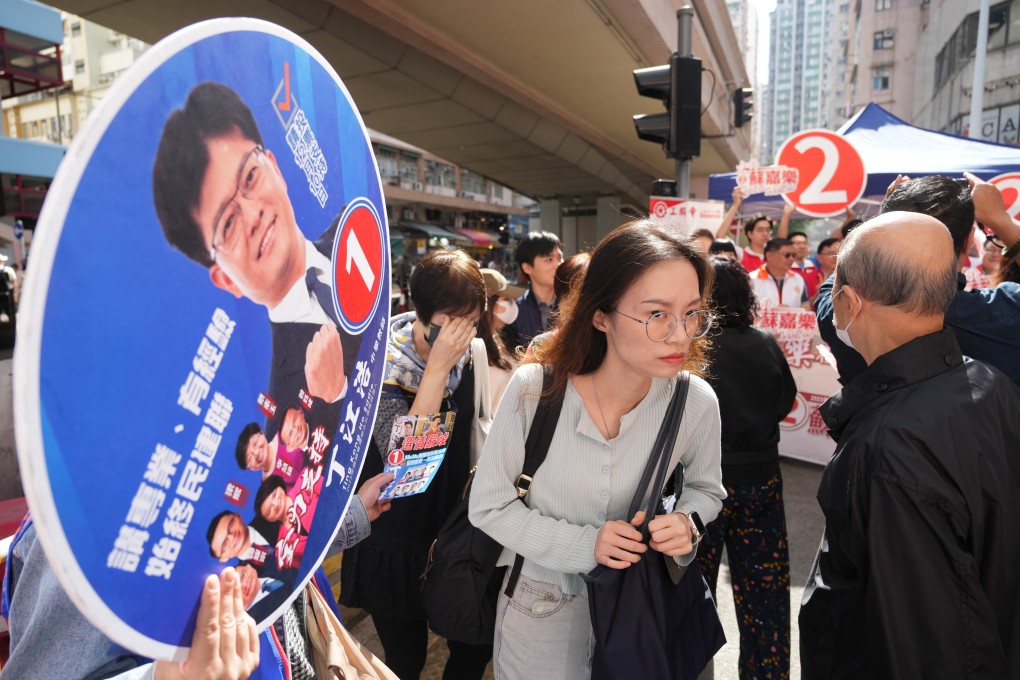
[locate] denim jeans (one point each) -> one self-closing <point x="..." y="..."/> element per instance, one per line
<point x="542" y="634"/>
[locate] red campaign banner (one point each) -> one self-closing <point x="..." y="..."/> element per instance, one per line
<point x="831" y="172"/>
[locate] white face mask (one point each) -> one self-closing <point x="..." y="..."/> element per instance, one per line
<point x="842" y="333"/>
<point x="506" y="311"/>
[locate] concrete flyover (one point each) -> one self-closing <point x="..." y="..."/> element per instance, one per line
<point x="534" y="94"/>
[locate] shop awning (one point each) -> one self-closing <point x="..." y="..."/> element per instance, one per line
<point x="433" y="230"/>
<point x="479" y="238"/>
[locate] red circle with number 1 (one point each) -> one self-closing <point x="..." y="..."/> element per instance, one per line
<point x="832" y="175"/>
<point x="360" y="272"/>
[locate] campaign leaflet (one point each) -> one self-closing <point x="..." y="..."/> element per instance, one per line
<point x="417" y="447"/>
<point x="203" y="332"/>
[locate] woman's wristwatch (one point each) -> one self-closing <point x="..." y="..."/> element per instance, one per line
<point x="697" y="527"/>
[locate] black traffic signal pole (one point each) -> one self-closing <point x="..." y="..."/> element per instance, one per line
<point x="684" y="47"/>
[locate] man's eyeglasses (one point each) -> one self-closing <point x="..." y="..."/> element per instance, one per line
<point x="789" y="256"/>
<point x="660" y="325"/>
<point x="250" y="178"/>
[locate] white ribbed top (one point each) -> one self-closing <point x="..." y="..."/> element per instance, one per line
<point x="585" y="480"/>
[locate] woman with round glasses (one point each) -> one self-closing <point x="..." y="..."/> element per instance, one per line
<point x="639" y="319"/>
<point x="756" y="390"/>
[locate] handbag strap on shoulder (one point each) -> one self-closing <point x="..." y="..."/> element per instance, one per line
<point x="662" y="449"/>
<point x="543" y="427"/>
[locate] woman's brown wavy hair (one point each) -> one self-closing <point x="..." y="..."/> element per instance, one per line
<point x="577" y="347"/>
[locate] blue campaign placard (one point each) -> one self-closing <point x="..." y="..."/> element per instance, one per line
<point x="203" y="332"/>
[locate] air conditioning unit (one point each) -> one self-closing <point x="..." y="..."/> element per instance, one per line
<point x="463" y="194"/>
<point x="417" y="186"/>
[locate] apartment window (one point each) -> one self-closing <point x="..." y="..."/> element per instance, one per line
<point x="880" y="78"/>
<point x="1003" y="29"/>
<point x="884" y="39"/>
<point x="388" y="160"/>
<point x="472" y="182"/>
<point x="408" y="167"/>
<point x="25" y="130"/>
<point x="1014" y="22"/>
<point x="76" y="29"/>
<point x="998" y="22"/>
<point x="440" y="175"/>
<point x="79" y="67"/>
<point x="882" y="5"/>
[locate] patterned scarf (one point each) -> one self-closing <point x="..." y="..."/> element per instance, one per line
<point x="404" y="368"/>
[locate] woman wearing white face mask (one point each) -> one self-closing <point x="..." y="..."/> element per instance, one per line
<point x="501" y="310"/>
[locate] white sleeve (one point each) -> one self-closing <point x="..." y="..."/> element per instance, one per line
<point x="494" y="507"/>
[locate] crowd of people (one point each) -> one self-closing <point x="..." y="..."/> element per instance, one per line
<point x="915" y="574"/>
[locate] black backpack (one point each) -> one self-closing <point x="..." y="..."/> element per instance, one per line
<point x="461" y="581"/>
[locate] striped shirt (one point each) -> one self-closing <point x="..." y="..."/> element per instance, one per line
<point x="586" y="480"/>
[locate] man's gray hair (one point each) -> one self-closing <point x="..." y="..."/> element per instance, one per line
<point x="887" y="278"/>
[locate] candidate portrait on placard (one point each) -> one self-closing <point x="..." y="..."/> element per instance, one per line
<point x="222" y="201"/>
<point x="238" y="341"/>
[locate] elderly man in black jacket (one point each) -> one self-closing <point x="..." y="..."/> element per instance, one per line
<point x="916" y="575"/>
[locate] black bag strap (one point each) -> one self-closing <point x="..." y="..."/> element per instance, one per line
<point x="543" y="427"/>
<point x="662" y="450"/>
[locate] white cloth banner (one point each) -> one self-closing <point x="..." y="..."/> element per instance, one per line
<point x="803" y="435"/>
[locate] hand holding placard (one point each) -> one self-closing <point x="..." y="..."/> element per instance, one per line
<point x="225" y="645"/>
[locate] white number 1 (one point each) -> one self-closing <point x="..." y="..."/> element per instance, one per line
<point x="356" y="255"/>
<point x="815" y="192"/>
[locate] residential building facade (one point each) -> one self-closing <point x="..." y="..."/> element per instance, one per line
<point x="945" y="71"/>
<point x="799" y="70"/>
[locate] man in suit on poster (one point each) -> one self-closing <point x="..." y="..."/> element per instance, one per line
<point x="223" y="202"/>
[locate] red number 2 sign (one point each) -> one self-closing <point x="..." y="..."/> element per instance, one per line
<point x="1009" y="185"/>
<point x="832" y="175"/>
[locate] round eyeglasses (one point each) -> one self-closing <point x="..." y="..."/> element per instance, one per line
<point x="660" y="325"/>
<point x="226" y="228"/>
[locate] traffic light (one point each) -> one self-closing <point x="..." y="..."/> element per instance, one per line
<point x="743" y="105"/>
<point x="678" y="85"/>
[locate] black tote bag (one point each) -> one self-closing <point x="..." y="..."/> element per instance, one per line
<point x="653" y="619"/>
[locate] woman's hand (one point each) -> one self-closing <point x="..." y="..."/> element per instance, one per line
<point x="671" y="534"/>
<point x="225" y="645"/>
<point x="454" y="340"/>
<point x="618" y="544"/>
<point x="369" y="495"/>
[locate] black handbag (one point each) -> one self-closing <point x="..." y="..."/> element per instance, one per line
<point x="652" y="619"/>
<point x="461" y="582"/>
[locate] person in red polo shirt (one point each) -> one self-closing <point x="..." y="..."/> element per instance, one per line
<point x="803" y="265"/>
<point x="758" y="229"/>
